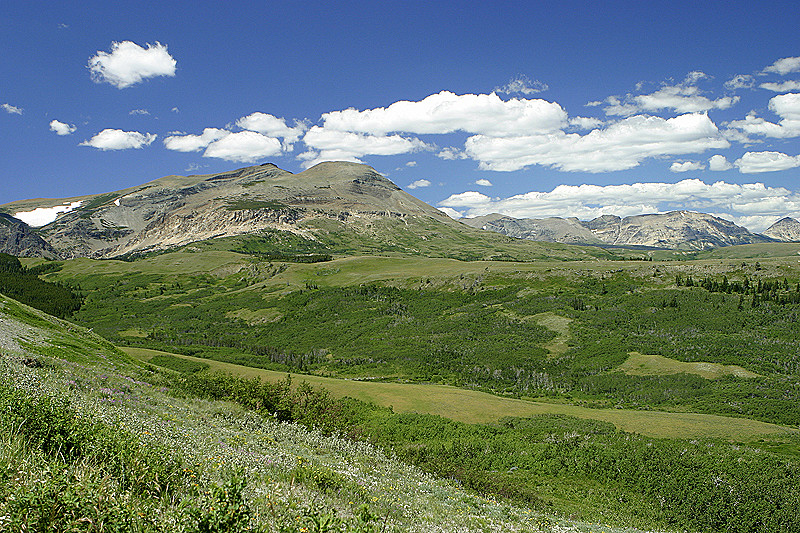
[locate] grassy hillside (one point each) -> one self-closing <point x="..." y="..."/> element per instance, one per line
<point x="93" y="440"/>
<point x="94" y="437"/>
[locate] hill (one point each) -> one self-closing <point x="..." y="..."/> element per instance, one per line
<point x="337" y="207"/>
<point x="681" y="230"/>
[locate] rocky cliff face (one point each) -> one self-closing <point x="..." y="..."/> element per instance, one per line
<point x="16" y="238"/>
<point x="685" y="230"/>
<point x="178" y="210"/>
<point x="786" y="229"/>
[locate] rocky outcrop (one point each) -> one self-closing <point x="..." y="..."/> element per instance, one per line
<point x="786" y="229"/>
<point x="18" y="239"/>
<point x="685" y="230"/>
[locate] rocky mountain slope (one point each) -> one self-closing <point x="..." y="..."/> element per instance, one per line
<point x="17" y="238"/>
<point x="178" y="210"/>
<point x="786" y="229"/>
<point x="685" y="230"/>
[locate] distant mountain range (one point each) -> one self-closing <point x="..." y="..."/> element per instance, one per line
<point x="178" y="210"/>
<point x="682" y="230"/>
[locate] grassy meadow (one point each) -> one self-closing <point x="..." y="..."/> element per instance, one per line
<point x="638" y="389"/>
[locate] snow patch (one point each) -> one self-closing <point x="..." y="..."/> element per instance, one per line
<point x="44" y="215"/>
<point x="116" y="202"/>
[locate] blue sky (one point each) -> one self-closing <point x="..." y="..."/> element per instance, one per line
<point x="570" y="109"/>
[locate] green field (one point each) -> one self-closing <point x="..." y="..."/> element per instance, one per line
<point x="479" y="407"/>
<point x="639" y="364"/>
<point x="597" y="389"/>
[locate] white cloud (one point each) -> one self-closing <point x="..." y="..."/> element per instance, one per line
<point x="786" y="106"/>
<point x="61" y="128"/>
<point x="333" y="145"/>
<point x="756" y="162"/>
<point x="271" y="126"/>
<point x="451" y="154"/>
<point x="585" y="123"/>
<point x="452" y="213"/>
<point x="522" y="85"/>
<point x="753" y="204"/>
<point x="622" y="145"/>
<point x="175" y="110"/>
<point x="718" y="163"/>
<point x="111" y="139"/>
<point x="784" y="87"/>
<point x="447" y="112"/>
<point x="411" y="164"/>
<point x="128" y="64"/>
<point x="686" y="166"/>
<point x="483" y="182"/>
<point x="684" y="97"/>
<point x="243" y="147"/>
<point x="194" y="143"/>
<point x="740" y="81"/>
<point x="12" y="109"/>
<point x="784" y="66"/>
<point x="44" y="215"/>
<point x="139" y="112"/>
<point x="419" y="183"/>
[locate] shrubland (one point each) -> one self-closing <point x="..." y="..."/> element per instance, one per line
<point x="559" y="332"/>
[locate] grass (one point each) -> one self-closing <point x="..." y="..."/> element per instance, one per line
<point x="227" y="466"/>
<point x="478" y="407"/>
<point x="639" y="364"/>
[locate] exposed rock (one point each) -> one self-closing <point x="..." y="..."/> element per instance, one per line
<point x="786" y="229"/>
<point x="17" y="238"/>
<point x="685" y="230"/>
<point x="569" y="231"/>
<point x="177" y="210"/>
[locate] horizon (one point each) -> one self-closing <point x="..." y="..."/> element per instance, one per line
<point x="471" y="108"/>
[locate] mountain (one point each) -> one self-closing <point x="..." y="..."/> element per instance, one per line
<point x="17" y="238"/>
<point x="554" y="229"/>
<point x="786" y="229"/>
<point x="685" y="230"/>
<point x="334" y="207"/>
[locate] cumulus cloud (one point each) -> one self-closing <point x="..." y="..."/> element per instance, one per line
<point x="451" y="153"/>
<point x="243" y="147"/>
<point x="754" y="205"/>
<point x="719" y="163"/>
<point x="12" y="109"/>
<point x="61" y="128"/>
<point x="194" y="143"/>
<point x="522" y="85"/>
<point x="128" y="64"/>
<point x="786" y="106"/>
<point x="620" y="146"/>
<point x="334" y="145"/>
<point x="446" y="112"/>
<point x="271" y="126"/>
<point x="411" y="164"/>
<point x="483" y="182"/>
<point x="452" y="213"/>
<point x="686" y="166"/>
<point x="585" y="123"/>
<point x="111" y="139"/>
<point x="683" y="97"/>
<point x="784" y="66"/>
<point x="419" y="183"/>
<point x="757" y="162"/>
<point x="740" y="81"/>
<point x="784" y="87"/>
